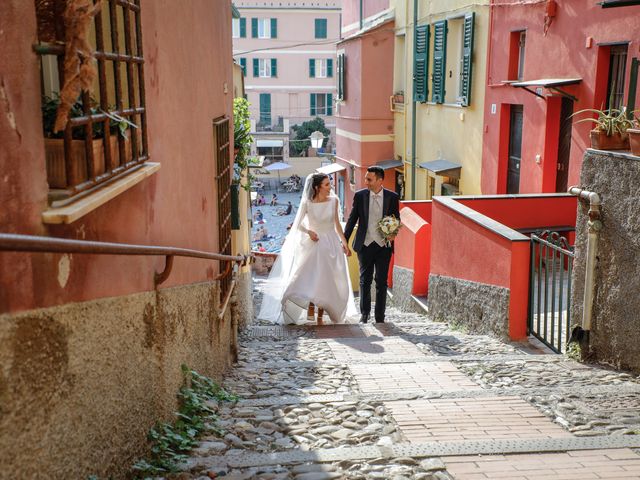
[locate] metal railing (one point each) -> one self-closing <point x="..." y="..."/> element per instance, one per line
<point x="550" y="289"/>
<point x="32" y="243"/>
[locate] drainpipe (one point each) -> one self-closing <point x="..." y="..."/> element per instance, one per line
<point x="581" y="333"/>
<point x="361" y="12"/>
<point x="413" y="106"/>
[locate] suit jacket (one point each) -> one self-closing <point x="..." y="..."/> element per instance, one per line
<point x="360" y="214"/>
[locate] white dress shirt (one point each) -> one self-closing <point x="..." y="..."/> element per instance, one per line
<point x="375" y="215"/>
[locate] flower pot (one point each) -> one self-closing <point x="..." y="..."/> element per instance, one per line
<point x="602" y="141"/>
<point x="634" y="140"/>
<point x="115" y="150"/>
<point x="56" y="166"/>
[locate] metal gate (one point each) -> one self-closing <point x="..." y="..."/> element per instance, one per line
<point x="550" y="289"/>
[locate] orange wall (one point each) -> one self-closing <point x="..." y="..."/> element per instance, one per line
<point x="177" y="206"/>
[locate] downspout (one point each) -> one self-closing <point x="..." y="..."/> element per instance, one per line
<point x="413" y="105"/>
<point x="581" y="333"/>
<point x="361" y="13"/>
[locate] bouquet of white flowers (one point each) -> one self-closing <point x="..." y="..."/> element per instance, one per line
<point x="389" y="227"/>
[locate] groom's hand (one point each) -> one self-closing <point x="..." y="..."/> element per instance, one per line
<point x="313" y="235"/>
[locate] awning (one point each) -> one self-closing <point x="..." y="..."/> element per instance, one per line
<point x="550" y="83"/>
<point x="619" y="3"/>
<point x="331" y="168"/>
<point x="442" y="167"/>
<point x="387" y="164"/>
<point x="270" y="143"/>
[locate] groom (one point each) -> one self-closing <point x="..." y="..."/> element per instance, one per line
<point x="369" y="206"/>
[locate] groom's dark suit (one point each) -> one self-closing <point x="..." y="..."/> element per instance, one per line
<point x="373" y="256"/>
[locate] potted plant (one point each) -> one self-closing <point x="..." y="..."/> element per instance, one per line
<point x="242" y="141"/>
<point x="610" y="132"/>
<point x="54" y="143"/>
<point x="634" y="136"/>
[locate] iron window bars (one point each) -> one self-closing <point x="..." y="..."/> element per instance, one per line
<point x="223" y="184"/>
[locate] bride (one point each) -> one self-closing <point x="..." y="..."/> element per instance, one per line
<point x="311" y="270"/>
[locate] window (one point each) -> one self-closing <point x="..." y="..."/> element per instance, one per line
<point x="239" y="28"/>
<point x="265" y="67"/>
<point x="223" y="184"/>
<point x="321" y="27"/>
<point x="264" y="27"/>
<point x="320" y="67"/>
<point x="341" y="77"/>
<point x="517" y="43"/>
<point x="235" y="28"/>
<point x="617" y="67"/>
<point x="352" y="175"/>
<point x="321" y="104"/>
<point x="243" y="64"/>
<point x="105" y="133"/>
<point x="265" y="108"/>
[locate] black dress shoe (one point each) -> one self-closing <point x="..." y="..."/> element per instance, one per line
<point x="364" y="318"/>
<point x="379" y="320"/>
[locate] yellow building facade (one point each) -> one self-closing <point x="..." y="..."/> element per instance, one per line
<point x="448" y="57"/>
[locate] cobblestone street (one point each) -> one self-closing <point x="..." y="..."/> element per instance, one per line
<point x="413" y="399"/>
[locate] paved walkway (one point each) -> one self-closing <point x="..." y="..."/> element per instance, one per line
<point x="412" y="399"/>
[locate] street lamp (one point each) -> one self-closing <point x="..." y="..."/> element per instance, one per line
<point x="316" y="139"/>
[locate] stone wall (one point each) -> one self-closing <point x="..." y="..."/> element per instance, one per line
<point x="82" y="383"/>
<point x="615" y="334"/>
<point x="477" y="307"/>
<point x="402" y="287"/>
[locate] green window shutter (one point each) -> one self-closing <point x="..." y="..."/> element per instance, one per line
<point x="256" y="67"/>
<point x="633" y="85"/>
<point x="243" y="28"/>
<point x="274" y="67"/>
<point x="329" y="67"/>
<point x="467" y="58"/>
<point x="439" y="61"/>
<point x="421" y="64"/>
<point x="312" y="100"/>
<point x="321" y="28"/>
<point x="254" y="28"/>
<point x="312" y="67"/>
<point x="243" y="64"/>
<point x="274" y="28"/>
<point x="341" y="77"/>
<point x="265" y="108"/>
<point x="329" y="104"/>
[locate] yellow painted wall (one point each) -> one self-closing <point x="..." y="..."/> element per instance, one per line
<point x="447" y="130"/>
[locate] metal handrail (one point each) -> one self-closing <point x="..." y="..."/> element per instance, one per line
<point x="32" y="243"/>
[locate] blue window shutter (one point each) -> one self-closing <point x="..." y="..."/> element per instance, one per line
<point x="254" y="28"/>
<point x="243" y="64"/>
<point x="274" y="67"/>
<point x="274" y="28"/>
<point x="312" y="67"/>
<point x="421" y="63"/>
<point x="329" y="67"/>
<point x="321" y="28"/>
<point x="341" y="77"/>
<point x="439" y="61"/>
<point x="467" y="58"/>
<point x="256" y="67"/>
<point x="312" y="100"/>
<point x="329" y="103"/>
<point x="265" y="108"/>
<point x="243" y="28"/>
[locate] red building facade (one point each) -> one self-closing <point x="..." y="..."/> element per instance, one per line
<point x="548" y="60"/>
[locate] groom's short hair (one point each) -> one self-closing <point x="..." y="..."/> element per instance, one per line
<point x="377" y="171"/>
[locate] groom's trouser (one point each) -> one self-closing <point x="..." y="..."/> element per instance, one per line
<point x="374" y="258"/>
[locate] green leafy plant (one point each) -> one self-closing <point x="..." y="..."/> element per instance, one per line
<point x="610" y="121"/>
<point x="170" y="443"/>
<point x="242" y="141"/>
<point x="301" y="135"/>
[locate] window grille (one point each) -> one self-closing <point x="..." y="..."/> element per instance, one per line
<point x="105" y="136"/>
<point x="223" y="184"/>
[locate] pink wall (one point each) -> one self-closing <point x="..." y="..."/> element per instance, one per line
<point x="562" y="53"/>
<point x="351" y="12"/>
<point x="177" y="206"/>
<point x="413" y="249"/>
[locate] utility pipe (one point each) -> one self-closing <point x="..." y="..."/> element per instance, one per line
<point x="413" y="104"/>
<point x="594" y="225"/>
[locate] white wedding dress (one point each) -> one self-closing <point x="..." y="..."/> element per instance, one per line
<point x="308" y="271"/>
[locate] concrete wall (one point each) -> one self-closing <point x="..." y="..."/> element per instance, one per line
<point x="90" y="353"/>
<point x="615" y="334"/>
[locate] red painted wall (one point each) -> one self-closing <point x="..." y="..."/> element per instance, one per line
<point x="177" y="206"/>
<point x="562" y="53"/>
<point x="413" y="249"/>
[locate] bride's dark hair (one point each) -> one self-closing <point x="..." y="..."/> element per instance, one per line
<point x="316" y="181"/>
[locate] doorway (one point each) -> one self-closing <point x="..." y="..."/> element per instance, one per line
<point x="515" y="149"/>
<point x="564" y="145"/>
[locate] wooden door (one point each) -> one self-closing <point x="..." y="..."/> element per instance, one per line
<point x="515" y="149"/>
<point x="564" y="144"/>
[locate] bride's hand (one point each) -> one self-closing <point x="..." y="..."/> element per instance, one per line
<point x="346" y="250"/>
<point x="313" y="235"/>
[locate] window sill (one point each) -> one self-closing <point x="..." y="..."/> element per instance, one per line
<point x="72" y="212"/>
<point x="450" y="105"/>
